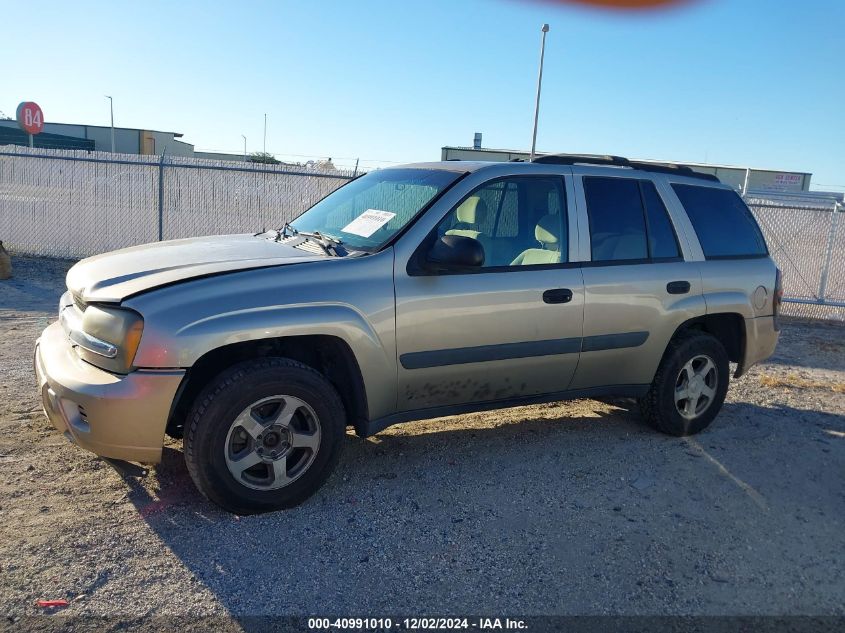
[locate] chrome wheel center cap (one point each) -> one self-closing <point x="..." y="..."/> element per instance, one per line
<point x="276" y="441"/>
<point x="271" y="439"/>
<point x="696" y="385"/>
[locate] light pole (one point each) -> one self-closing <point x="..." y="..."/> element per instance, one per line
<point x="111" y="110"/>
<point x="244" y="138"/>
<point x="545" y="30"/>
<point x="264" y="150"/>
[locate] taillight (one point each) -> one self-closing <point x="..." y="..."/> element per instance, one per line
<point x="777" y="300"/>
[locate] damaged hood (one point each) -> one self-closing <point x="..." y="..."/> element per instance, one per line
<point x="112" y="277"/>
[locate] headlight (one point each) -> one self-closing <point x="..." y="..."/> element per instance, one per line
<point x="72" y="325"/>
<point x="106" y="337"/>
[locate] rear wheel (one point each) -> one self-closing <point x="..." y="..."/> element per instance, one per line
<point x="264" y="435"/>
<point x="690" y="385"/>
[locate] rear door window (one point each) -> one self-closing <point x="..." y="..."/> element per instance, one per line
<point x="628" y="221"/>
<point x="617" y="225"/>
<point x="724" y="225"/>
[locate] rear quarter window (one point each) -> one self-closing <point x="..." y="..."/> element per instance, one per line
<point x="724" y="225"/>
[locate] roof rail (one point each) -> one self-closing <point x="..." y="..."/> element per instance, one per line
<point x="619" y="161"/>
<point x="588" y="159"/>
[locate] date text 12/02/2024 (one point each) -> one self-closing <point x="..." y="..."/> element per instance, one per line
<point x="413" y="624"/>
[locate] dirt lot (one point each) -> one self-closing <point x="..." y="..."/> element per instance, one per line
<point x="573" y="508"/>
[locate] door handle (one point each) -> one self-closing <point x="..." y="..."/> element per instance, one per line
<point x="678" y="287"/>
<point x="558" y="295"/>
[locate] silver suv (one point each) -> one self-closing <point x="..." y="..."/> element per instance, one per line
<point x="421" y="291"/>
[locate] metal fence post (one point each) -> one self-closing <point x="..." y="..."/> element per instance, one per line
<point x="829" y="252"/>
<point x="161" y="198"/>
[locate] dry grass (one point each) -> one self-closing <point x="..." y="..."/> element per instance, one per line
<point x="795" y="381"/>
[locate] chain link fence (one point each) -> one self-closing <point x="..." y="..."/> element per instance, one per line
<point x="65" y="203"/>
<point x="72" y="204"/>
<point x="806" y="237"/>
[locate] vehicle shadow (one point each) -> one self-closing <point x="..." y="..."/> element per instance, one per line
<point x="173" y="488"/>
<point x="426" y="500"/>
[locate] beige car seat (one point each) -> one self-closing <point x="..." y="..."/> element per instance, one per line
<point x="471" y="214"/>
<point x="547" y="232"/>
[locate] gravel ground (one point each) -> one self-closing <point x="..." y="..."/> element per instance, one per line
<point x="572" y="508"/>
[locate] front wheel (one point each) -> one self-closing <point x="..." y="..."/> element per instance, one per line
<point x="690" y="385"/>
<point x="264" y="435"/>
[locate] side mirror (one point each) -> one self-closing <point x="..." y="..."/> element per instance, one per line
<point x="456" y="251"/>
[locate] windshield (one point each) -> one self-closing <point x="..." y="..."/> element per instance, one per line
<point x="369" y="211"/>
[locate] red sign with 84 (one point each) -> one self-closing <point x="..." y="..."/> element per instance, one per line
<point x="30" y="117"/>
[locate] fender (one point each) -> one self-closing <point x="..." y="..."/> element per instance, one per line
<point x="736" y="302"/>
<point x="342" y="321"/>
<point x="377" y="363"/>
<point x="351" y="300"/>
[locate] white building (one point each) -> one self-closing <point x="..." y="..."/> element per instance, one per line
<point x="758" y="179"/>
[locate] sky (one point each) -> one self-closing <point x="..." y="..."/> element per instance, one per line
<point x="757" y="83"/>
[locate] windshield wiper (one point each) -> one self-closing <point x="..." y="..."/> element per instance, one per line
<point x="328" y="247"/>
<point x="323" y="236"/>
<point x="283" y="232"/>
<point x="324" y="241"/>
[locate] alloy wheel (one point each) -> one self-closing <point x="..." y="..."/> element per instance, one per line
<point x="272" y="442"/>
<point x="695" y="387"/>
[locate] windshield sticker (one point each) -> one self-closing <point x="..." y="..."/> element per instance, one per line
<point x="368" y="222"/>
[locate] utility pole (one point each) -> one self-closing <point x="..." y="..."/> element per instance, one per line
<point x="264" y="151"/>
<point x="111" y="110"/>
<point x="544" y="29"/>
<point x="244" y="138"/>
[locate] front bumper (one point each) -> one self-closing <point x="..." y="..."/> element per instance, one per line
<point x="122" y="417"/>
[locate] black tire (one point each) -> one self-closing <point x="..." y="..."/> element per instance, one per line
<point x="659" y="406"/>
<point x="209" y="424"/>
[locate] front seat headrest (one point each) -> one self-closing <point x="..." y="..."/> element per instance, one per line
<point x="473" y="210"/>
<point x="547" y="232"/>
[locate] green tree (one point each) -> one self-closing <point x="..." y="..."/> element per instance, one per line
<point x="263" y="157"/>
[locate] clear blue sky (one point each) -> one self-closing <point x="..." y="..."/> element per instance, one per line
<point x="746" y="82"/>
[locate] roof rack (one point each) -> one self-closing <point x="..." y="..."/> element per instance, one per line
<point x="619" y="161"/>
